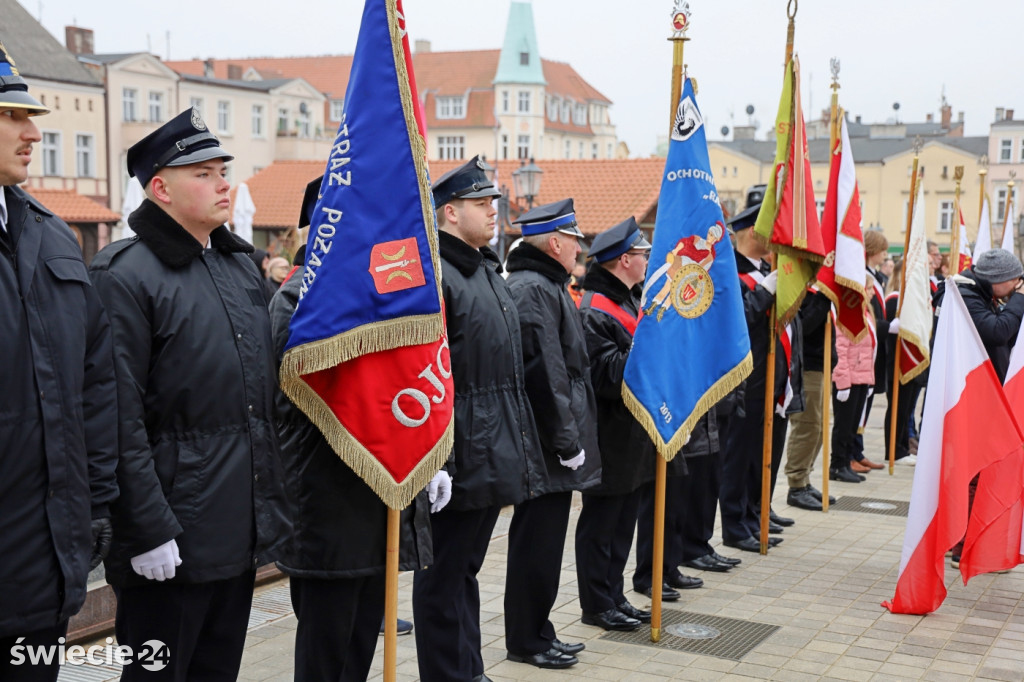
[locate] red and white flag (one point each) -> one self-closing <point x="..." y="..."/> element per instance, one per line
<point x="963" y="394"/>
<point x="964" y="261"/>
<point x="916" y="307"/>
<point x="841" y="278"/>
<point x="984" y="241"/>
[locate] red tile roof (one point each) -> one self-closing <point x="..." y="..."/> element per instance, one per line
<point x="479" y="112"/>
<point x="327" y="73"/>
<point x="72" y="207"/>
<point x="277" y="192"/>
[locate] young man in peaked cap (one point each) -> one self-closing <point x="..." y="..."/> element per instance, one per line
<point x="496" y="456"/>
<point x="558" y="384"/>
<point x="604" y="533"/>
<point x="58" y="418"/>
<point x="202" y="498"/>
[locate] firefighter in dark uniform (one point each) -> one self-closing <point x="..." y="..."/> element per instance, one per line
<point x="496" y="458"/>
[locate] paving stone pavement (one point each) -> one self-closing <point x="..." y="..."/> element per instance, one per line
<point x="822" y="587"/>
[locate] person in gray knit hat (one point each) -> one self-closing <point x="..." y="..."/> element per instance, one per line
<point x="992" y="290"/>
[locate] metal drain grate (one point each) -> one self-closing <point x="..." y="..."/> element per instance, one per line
<point x="871" y="505"/>
<point x="88" y="673"/>
<point x="270" y="605"/>
<point x="737" y="638"/>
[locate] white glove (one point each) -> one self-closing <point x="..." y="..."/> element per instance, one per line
<point x="894" y="326"/>
<point x="843" y="395"/>
<point x="439" y="491"/>
<point x="158" y="563"/>
<point x="771" y="281"/>
<point x="574" y="463"/>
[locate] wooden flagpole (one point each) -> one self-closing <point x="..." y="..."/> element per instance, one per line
<point x="769" y="386"/>
<point x="826" y="374"/>
<point x="954" y="237"/>
<point x="680" y="23"/>
<point x="982" y="172"/>
<point x="391" y="597"/>
<point x="895" y="396"/>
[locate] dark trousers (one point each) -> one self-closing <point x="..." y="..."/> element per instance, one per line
<point x="700" y="503"/>
<point x="902" y="414"/>
<point x="740" y="496"/>
<point x="672" y="550"/>
<point x="446" y="596"/>
<point x="339" y="622"/>
<point x="202" y="626"/>
<point x="536" y="540"/>
<point x="604" y="535"/>
<point x="845" y="424"/>
<point x="39" y="641"/>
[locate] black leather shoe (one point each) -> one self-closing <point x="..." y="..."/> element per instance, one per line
<point x="772" y="542"/>
<point x="570" y="649"/>
<point x="707" y="563"/>
<point x="817" y="494"/>
<point x="845" y="475"/>
<point x="683" y="582"/>
<point x="612" y="619"/>
<point x="634" y="612"/>
<point x="732" y="561"/>
<point x="746" y="544"/>
<point x="803" y="499"/>
<point x="781" y="520"/>
<point x="552" y="658"/>
<point x="774" y="528"/>
<point x="667" y="593"/>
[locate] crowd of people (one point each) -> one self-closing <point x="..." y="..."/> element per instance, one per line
<point x="144" y="426"/>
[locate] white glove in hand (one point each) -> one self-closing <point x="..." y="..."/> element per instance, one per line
<point x="771" y="281"/>
<point x="843" y="395"/>
<point x="574" y="463"/>
<point x="439" y="491"/>
<point x="894" y="326"/>
<point x="158" y="563"/>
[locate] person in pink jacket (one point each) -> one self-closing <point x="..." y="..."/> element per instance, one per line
<point x="853" y="378"/>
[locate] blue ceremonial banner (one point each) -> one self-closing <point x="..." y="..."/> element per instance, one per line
<point x="372" y="234"/>
<point x="691" y="346"/>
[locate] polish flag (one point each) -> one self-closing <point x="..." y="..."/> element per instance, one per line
<point x="963" y="393"/>
<point x="984" y="241"/>
<point x="915" y="310"/>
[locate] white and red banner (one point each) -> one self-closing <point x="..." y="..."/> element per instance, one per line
<point x="963" y="392"/>
<point x="841" y="278"/>
<point x="964" y="260"/>
<point x="916" y="308"/>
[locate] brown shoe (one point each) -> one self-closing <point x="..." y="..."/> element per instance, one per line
<point x="859" y="468"/>
<point x="871" y="465"/>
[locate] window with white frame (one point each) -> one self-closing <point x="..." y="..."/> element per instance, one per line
<point x="593" y="150"/>
<point x="611" y="150"/>
<point x="504" y="146"/>
<point x="566" y="111"/>
<point x="282" y="121"/>
<point x="523" y="101"/>
<point x="85" y="156"/>
<point x="258" y="124"/>
<point x="156" y="107"/>
<point x="945" y="217"/>
<point x="223" y="116"/>
<point x="451" y="107"/>
<point x="51" y="153"/>
<point x="579" y="114"/>
<point x="505" y="101"/>
<point x="523" y="147"/>
<point x="196" y="103"/>
<point x="1001" y="203"/>
<point x="451" y="147"/>
<point x="581" y="149"/>
<point x="303" y="124"/>
<point x="129" y="105"/>
<point x="568" y="149"/>
<point x="337" y="110"/>
<point x="553" y="107"/>
<point x="1005" y="151"/>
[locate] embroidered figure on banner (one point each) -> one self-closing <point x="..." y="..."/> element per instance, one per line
<point x="687" y="287"/>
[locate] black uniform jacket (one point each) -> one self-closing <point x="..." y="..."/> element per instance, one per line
<point x="196" y="379"/>
<point x="497" y="458"/>
<point x="557" y="369"/>
<point x="757" y="304"/>
<point x="58" y="419"/>
<point x="340" y="525"/>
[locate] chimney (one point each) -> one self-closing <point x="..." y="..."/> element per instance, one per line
<point x="857" y="120"/>
<point x="959" y="117"/>
<point x="234" y="72"/>
<point x="947" y="116"/>
<point x="999" y="113"/>
<point x="208" y="67"/>
<point x="1009" y="114"/>
<point x="930" y="118"/>
<point x="421" y="46"/>
<point x="743" y="132"/>
<point x="78" y="40"/>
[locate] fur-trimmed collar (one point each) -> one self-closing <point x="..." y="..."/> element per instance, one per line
<point x="529" y="257"/>
<point x="171" y="243"/>
<point x="601" y="281"/>
<point x="464" y="257"/>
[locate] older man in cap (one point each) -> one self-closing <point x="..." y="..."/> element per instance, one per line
<point x="604" y="533"/>
<point x="58" y="417"/>
<point x="202" y="498"/>
<point x="496" y="457"/>
<point x="558" y="384"/>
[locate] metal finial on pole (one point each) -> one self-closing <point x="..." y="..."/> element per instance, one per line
<point x="954" y="237"/>
<point x="791" y="8"/>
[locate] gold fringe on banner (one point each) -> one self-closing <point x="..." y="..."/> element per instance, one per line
<point x="713" y="395"/>
<point x="395" y="494"/>
<point x="916" y="341"/>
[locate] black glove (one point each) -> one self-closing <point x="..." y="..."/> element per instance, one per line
<point x="102" y="534"/>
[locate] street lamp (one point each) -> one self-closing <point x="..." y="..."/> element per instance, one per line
<point x="527" y="181"/>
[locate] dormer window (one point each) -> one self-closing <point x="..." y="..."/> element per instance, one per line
<point x="524" y="59"/>
<point x="451" y="107"/>
<point x="553" y="107"/>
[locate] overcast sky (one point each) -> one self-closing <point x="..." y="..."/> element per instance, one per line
<point x="904" y="51"/>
